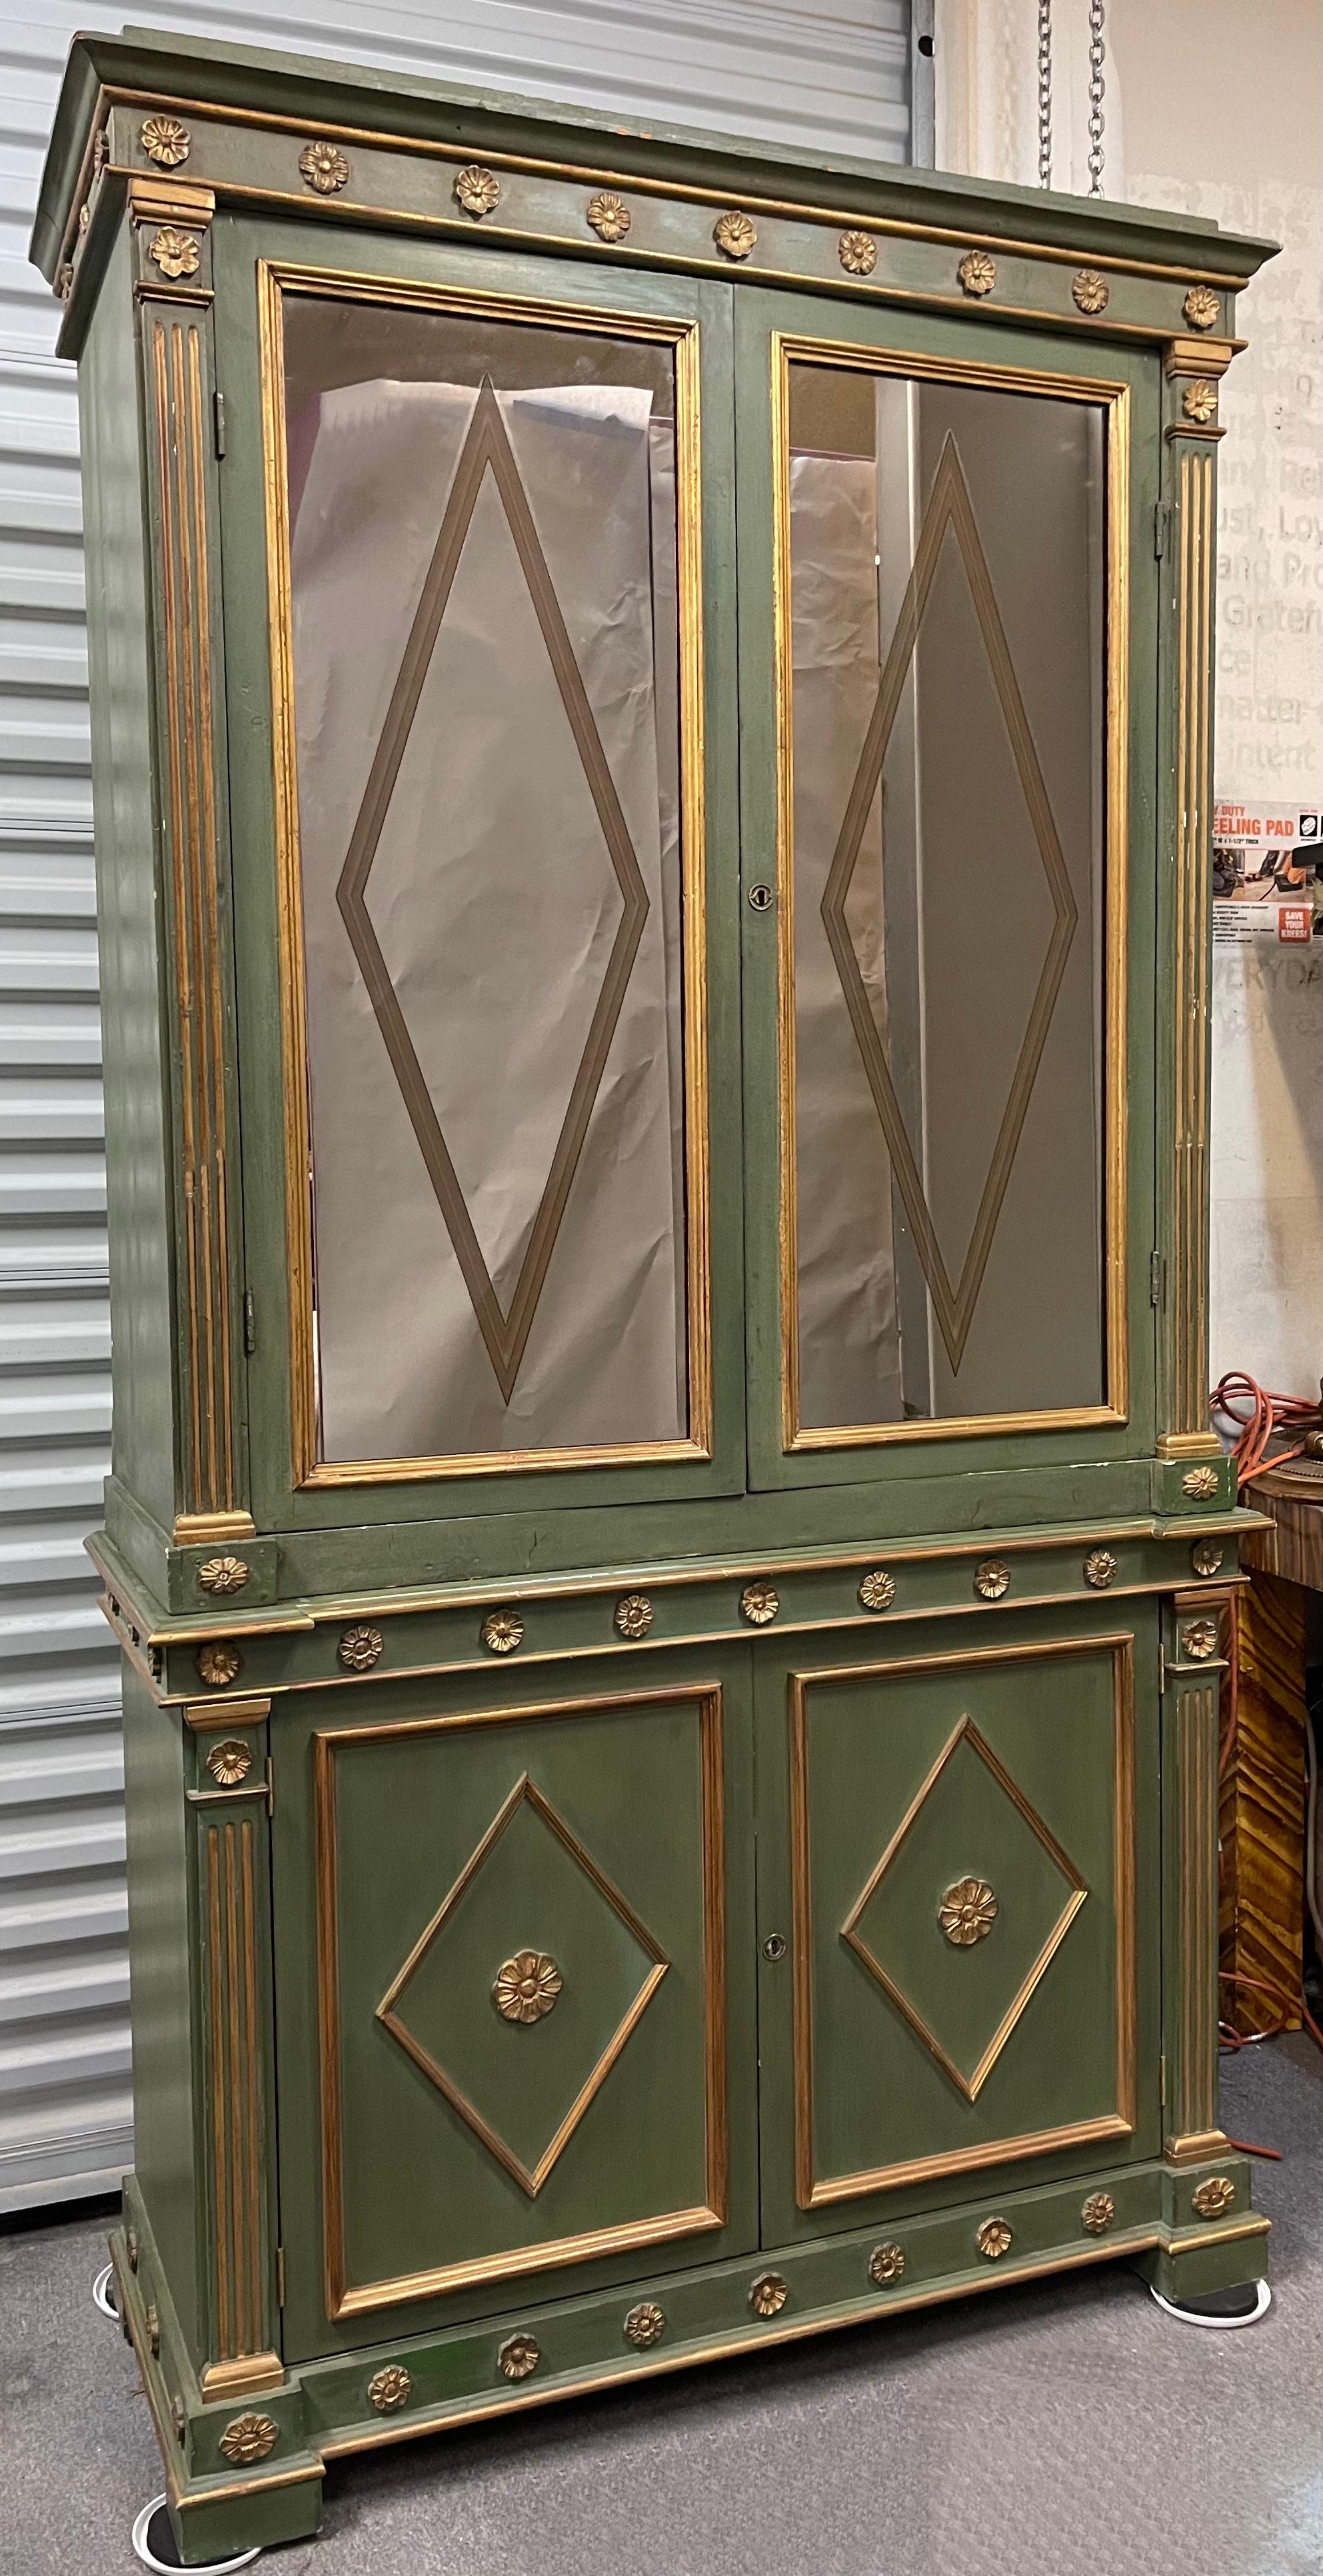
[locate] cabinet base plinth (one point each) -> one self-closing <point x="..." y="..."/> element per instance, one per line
<point x="249" y="2472"/>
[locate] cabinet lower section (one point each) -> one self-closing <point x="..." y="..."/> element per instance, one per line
<point x="250" y="2469"/>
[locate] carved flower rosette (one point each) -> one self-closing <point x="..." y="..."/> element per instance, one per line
<point x="634" y="1615"/>
<point x="389" y="2388"/>
<point x="218" y="1665"/>
<point x="993" y="2239"/>
<point x="609" y="215"/>
<point x="769" y="2294"/>
<point x="1199" y="401"/>
<point x="1091" y="292"/>
<point x="518" y="2357"/>
<point x="967" y="1912"/>
<point x="360" y="1648"/>
<point x="977" y="272"/>
<point x="645" y="2324"/>
<point x="230" y="1762"/>
<point x="477" y="190"/>
<point x="502" y="1631"/>
<point x="878" y="1589"/>
<point x="1201" y="308"/>
<point x="886" y="2263"/>
<point x="1213" y="2198"/>
<point x="247" y="2438"/>
<point x="324" y="168"/>
<point x="1200" y="1484"/>
<point x="223" y="1574"/>
<point x="857" y="253"/>
<point x="735" y="235"/>
<point x="760" y="1603"/>
<point x="176" y="254"/>
<point x="1098" y="2212"/>
<point x="527" y="1986"/>
<point x="992" y="1578"/>
<point x="165" y="141"/>
<point x="1100" y="1568"/>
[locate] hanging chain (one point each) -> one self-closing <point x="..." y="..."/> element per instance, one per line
<point x="1097" y="49"/>
<point x="1045" y="93"/>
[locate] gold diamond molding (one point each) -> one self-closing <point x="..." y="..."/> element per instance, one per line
<point x="857" y="253"/>
<point x="1098" y="2212"/>
<point x="223" y="1574"/>
<point x="768" y="2294"/>
<point x="886" y="2263"/>
<point x="1091" y="292"/>
<point x="993" y="2239"/>
<point x="1214" y="2197"/>
<point x="977" y="272"/>
<point x="230" y="1762"/>
<point x="949" y="510"/>
<point x="967" y="1912"/>
<point x="165" y="141"/>
<point x="389" y="2388"/>
<point x="519" y="2356"/>
<point x="324" y="168"/>
<point x="527" y="1987"/>
<point x="218" y="1665"/>
<point x="878" y="1589"/>
<point x="175" y="253"/>
<point x="735" y="235"/>
<point x="247" y="2438"/>
<point x="487" y="449"/>
<point x="645" y="2324"/>
<point x="360" y="1648"/>
<point x="609" y="215"/>
<point x="477" y="190"/>
<point x="634" y="1614"/>
<point x="529" y="1984"/>
<point x="969" y="2086"/>
<point x="502" y="1632"/>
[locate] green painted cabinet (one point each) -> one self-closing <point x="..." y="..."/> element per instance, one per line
<point x="651" y="769"/>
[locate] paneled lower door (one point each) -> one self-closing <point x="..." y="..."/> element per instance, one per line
<point x="958" y="1847"/>
<point x="524" y="1946"/>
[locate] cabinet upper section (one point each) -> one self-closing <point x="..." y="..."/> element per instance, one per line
<point x="332" y="141"/>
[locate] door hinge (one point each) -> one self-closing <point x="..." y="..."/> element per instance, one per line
<point x="1161" y="526"/>
<point x="249" y="1324"/>
<point x="1162" y="1667"/>
<point x="1157" y="1279"/>
<point x="218" y="420"/>
<point x="280" y="2276"/>
<point x="1162" y="2082"/>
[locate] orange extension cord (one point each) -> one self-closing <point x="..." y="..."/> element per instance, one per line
<point x="1258" y="1417"/>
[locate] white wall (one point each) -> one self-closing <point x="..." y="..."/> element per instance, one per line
<point x="1216" y="107"/>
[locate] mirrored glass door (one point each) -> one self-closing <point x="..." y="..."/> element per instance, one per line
<point x="486" y="546"/>
<point x="948" y="559"/>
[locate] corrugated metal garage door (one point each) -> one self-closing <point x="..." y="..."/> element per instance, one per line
<point x="827" y="75"/>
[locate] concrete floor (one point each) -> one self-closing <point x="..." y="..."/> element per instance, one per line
<point x="1065" y="2425"/>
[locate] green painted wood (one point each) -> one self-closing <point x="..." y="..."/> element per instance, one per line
<point x="423" y="2189"/>
<point x="169" y="2110"/>
<point x="130" y="930"/>
<point x="871" y="1741"/>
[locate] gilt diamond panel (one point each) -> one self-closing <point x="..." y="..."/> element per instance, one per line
<point x="964" y="2002"/>
<point x="523" y="2086"/>
<point x="949" y="510"/>
<point x="487" y="450"/>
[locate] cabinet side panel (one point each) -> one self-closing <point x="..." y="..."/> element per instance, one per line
<point x="160" y="1950"/>
<point x="132" y="1015"/>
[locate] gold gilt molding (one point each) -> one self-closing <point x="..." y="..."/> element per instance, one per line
<point x="1188" y="1433"/>
<point x="177" y="412"/>
<point x="813" y="2191"/>
<point x="1194" y="2104"/>
<point x="234" y="2085"/>
<point x="346" y="2298"/>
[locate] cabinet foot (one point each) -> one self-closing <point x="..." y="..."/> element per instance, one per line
<point x="154" y="2544"/>
<point x="1224" y="2309"/>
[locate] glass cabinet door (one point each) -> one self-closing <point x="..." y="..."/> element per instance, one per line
<point x="485" y="565"/>
<point x="936" y="745"/>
